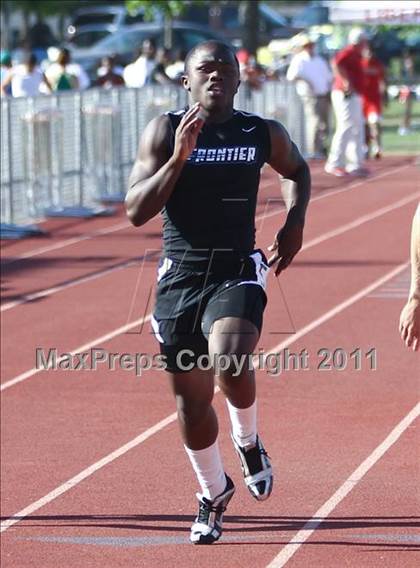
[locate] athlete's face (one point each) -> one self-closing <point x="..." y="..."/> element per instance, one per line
<point x="212" y="78"/>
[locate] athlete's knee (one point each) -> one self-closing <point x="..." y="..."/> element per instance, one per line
<point x="191" y="411"/>
<point x="193" y="393"/>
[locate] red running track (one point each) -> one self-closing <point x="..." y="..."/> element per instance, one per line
<point x="89" y="458"/>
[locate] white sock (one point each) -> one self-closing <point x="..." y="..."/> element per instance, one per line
<point x="208" y="467"/>
<point x="244" y="423"/>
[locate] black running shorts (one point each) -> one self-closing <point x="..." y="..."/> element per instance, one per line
<point x="191" y="298"/>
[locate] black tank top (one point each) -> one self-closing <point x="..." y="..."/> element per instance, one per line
<point x="212" y="208"/>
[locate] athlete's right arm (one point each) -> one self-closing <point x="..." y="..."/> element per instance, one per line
<point x="410" y="315"/>
<point x="156" y="171"/>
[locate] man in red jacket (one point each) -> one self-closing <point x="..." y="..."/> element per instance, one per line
<point x="346" y="153"/>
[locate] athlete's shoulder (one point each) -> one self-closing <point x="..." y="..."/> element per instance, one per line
<point x="157" y="134"/>
<point x="277" y="129"/>
<point x="280" y="140"/>
<point x="161" y="123"/>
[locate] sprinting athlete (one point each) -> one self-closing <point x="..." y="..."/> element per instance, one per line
<point x="201" y="168"/>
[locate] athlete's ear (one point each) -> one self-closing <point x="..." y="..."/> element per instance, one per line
<point x="186" y="82"/>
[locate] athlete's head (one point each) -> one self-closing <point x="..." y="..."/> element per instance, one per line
<point x="357" y="38"/>
<point x="211" y="75"/>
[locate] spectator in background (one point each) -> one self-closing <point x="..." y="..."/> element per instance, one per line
<point x="406" y="95"/>
<point x="25" y="79"/>
<point x="109" y="77"/>
<point x="347" y="147"/>
<point x="75" y="69"/>
<point x="176" y="69"/>
<point x="82" y="77"/>
<point x="410" y="315"/>
<point x="313" y="84"/>
<point x="60" y="75"/>
<point x="5" y="66"/>
<point x="104" y="67"/>
<point x="252" y="76"/>
<point x="159" y="75"/>
<point x="138" y="73"/>
<point x="372" y="98"/>
<point x="407" y="66"/>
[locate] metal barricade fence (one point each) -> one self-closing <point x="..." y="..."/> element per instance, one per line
<point x="41" y="144"/>
<point x="65" y="154"/>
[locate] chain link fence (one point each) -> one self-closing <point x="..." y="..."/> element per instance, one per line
<point x="66" y="154"/>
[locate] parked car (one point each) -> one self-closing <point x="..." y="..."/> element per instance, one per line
<point x="86" y="36"/>
<point x="125" y="42"/>
<point x="117" y="16"/>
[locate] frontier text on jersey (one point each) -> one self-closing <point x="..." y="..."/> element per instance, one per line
<point x="242" y="154"/>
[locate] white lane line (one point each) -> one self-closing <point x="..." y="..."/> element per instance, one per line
<point x="87" y="472"/>
<point x="157" y="427"/>
<point x="81" y="348"/>
<point x="309" y="244"/>
<point x="26" y="298"/>
<point x="361" y="220"/>
<point x="125" y="224"/>
<point x="350" y="483"/>
<point x="339" y="308"/>
<point x="397" y="288"/>
<point x="68" y="242"/>
<point x="346" y="188"/>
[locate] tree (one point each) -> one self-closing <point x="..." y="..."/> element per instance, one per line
<point x="171" y="9"/>
<point x="249" y="16"/>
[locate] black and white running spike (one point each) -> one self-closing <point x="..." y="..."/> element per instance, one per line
<point x="256" y="467"/>
<point x="207" y="527"/>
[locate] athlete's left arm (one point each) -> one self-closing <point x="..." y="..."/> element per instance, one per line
<point x="287" y="161"/>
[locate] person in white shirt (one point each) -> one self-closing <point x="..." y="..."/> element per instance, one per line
<point x="51" y="67"/>
<point x="60" y="74"/>
<point x="313" y="79"/>
<point x="138" y="73"/>
<point x="25" y="79"/>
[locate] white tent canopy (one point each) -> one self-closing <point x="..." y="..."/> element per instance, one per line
<point x="400" y="12"/>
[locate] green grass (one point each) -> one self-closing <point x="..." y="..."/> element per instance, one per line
<point x="392" y="142"/>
